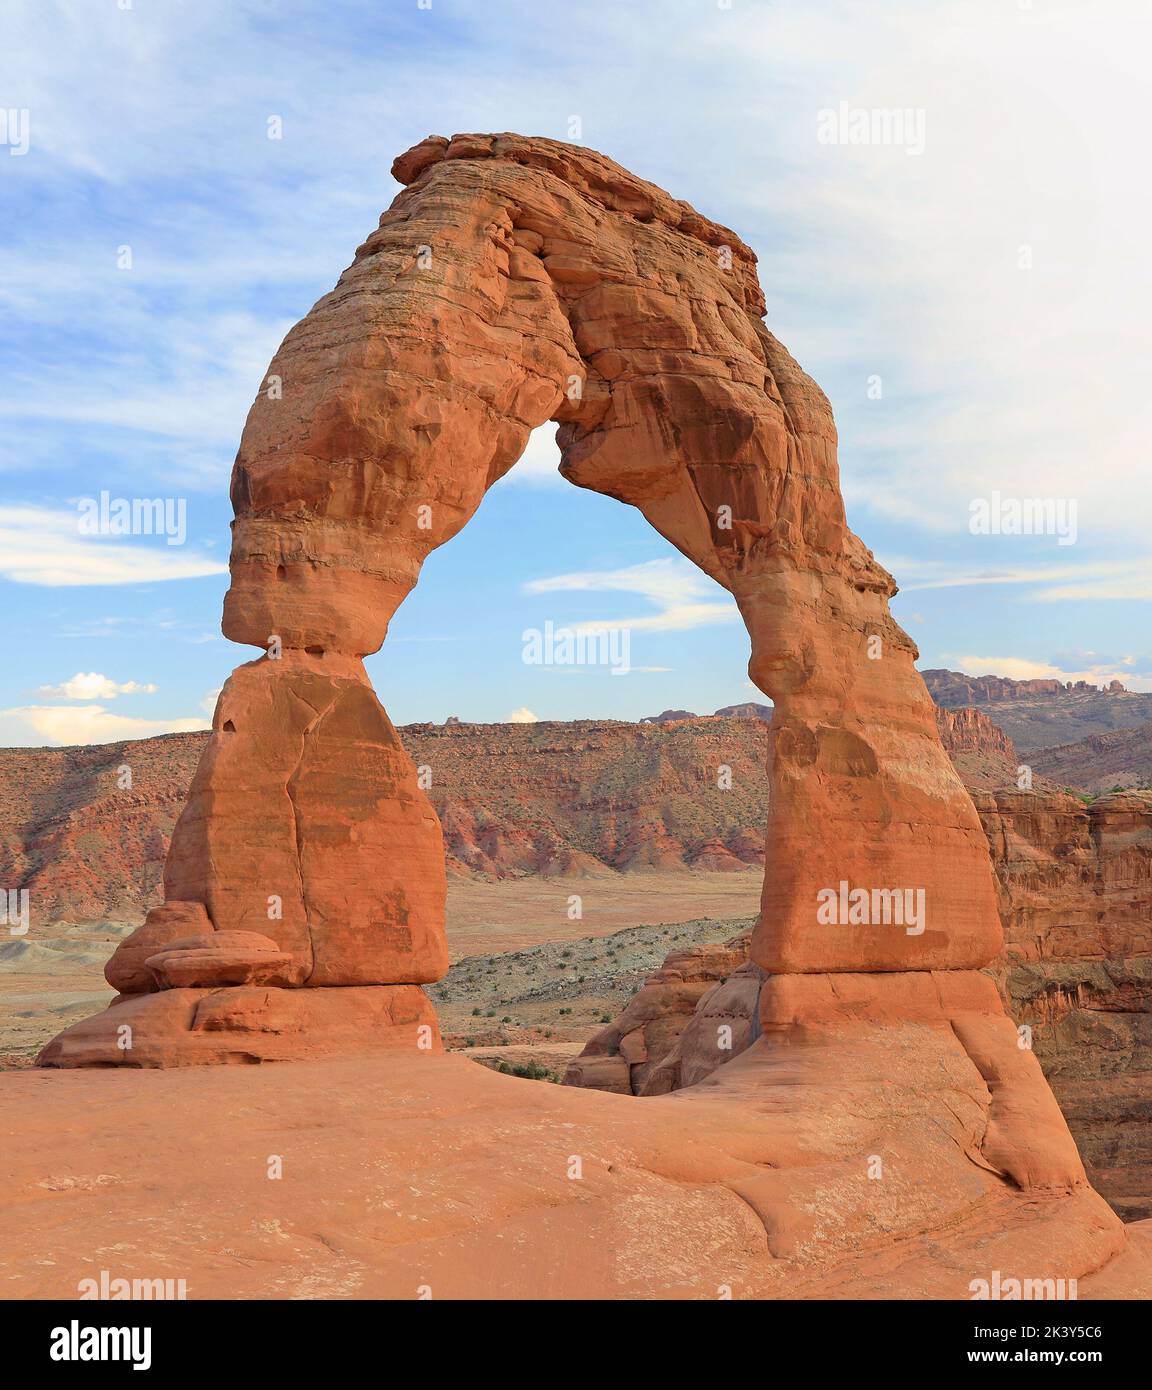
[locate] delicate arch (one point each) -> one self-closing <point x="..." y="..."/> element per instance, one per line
<point x="512" y="282"/>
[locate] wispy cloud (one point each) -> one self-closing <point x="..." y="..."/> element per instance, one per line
<point x="1105" y="579"/>
<point x="684" y="597"/>
<point x="45" y="547"/>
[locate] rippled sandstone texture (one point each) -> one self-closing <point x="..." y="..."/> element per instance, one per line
<point x="514" y="282"/>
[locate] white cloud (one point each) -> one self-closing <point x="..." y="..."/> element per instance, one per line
<point x="44" y="547"/>
<point x="540" y="462"/>
<point x="1105" y="579"/>
<point x="1014" y="667"/>
<point x="93" y="686"/>
<point x="683" y="595"/>
<point x="1028" y="381"/>
<point x="1133" y="585"/>
<point x="33" y="725"/>
<point x="523" y="715"/>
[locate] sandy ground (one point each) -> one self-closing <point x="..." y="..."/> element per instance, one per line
<point x="484" y="918"/>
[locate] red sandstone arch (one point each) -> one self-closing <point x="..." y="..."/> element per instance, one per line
<point x="516" y="281"/>
<point x="513" y="282"/>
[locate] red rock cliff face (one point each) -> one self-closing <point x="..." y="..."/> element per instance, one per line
<point x="586" y="796"/>
<point x="591" y="796"/>
<point x="982" y="753"/>
<point x="971" y="731"/>
<point x="86" y="830"/>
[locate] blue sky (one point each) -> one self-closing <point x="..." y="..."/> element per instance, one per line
<point x="975" y="309"/>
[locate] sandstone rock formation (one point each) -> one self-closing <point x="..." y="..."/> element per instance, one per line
<point x="411" y="1171"/>
<point x="981" y="752"/>
<point x="955" y="688"/>
<point x="517" y="281"/>
<point x="749" y="710"/>
<point x="514" y="282"/>
<point x="1076" y="901"/>
<point x="86" y="830"/>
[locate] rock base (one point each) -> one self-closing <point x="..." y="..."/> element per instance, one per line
<point x="249" y="1023"/>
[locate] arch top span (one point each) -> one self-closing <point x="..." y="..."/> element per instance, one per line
<point x="515" y="281"/>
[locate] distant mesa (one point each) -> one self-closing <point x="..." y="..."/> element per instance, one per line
<point x="745" y="711"/>
<point x="953" y="688"/>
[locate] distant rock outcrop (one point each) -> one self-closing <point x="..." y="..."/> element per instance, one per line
<point x="1042" y="714"/>
<point x="1120" y="758"/>
<point x="981" y="751"/>
<point x="956" y="688"/>
<point x="749" y="710"/>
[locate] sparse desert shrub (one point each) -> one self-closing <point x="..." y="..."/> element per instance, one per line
<point x="530" y="1071"/>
